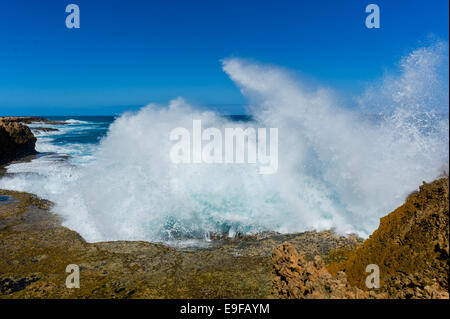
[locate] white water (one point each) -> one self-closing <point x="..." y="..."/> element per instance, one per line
<point x="336" y="168"/>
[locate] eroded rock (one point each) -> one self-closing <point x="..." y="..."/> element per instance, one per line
<point x="16" y="141"/>
<point x="410" y="247"/>
<point x="297" y="278"/>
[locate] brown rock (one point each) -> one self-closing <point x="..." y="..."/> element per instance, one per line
<point x="35" y="250"/>
<point x="16" y="141"/>
<point x="297" y="278"/>
<point x="411" y="247"/>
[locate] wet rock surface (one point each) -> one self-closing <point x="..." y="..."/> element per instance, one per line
<point x="35" y="251"/>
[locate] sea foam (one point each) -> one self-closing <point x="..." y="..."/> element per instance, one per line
<point x="338" y="167"/>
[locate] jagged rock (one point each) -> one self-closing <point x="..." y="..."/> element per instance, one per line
<point x="410" y="247"/>
<point x="16" y="141"/>
<point x="297" y="278"/>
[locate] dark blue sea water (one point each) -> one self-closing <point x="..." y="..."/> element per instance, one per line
<point x="83" y="129"/>
<point x="75" y="136"/>
<point x="78" y="136"/>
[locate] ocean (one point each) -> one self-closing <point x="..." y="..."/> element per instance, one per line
<point x="79" y="136"/>
<point x="111" y="178"/>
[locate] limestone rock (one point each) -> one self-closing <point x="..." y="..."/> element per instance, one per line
<point x="16" y="141"/>
<point x="297" y="278"/>
<point x="410" y="247"/>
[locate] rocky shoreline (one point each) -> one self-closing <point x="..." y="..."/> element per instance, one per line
<point x="410" y="246"/>
<point x="36" y="250"/>
<point x="410" y="249"/>
<point x="16" y="140"/>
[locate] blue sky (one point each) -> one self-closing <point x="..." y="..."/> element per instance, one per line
<point x="130" y="53"/>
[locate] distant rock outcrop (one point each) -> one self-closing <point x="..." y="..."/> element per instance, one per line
<point x="16" y="140"/>
<point x="410" y="247"/>
<point x="30" y="119"/>
<point x="44" y="129"/>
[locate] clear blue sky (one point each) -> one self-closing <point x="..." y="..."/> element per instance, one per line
<point x="130" y="53"/>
